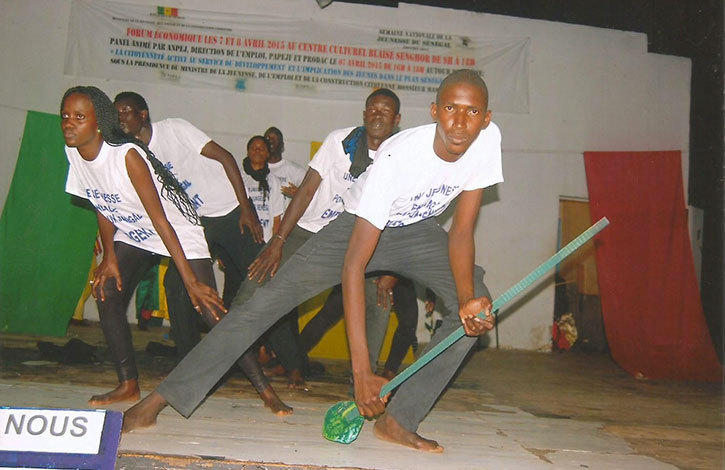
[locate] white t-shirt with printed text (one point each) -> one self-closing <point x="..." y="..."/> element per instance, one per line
<point x="267" y="208"/>
<point x="333" y="165"/>
<point x="287" y="172"/>
<point x="104" y="181"/>
<point x="178" y="144"/>
<point x="408" y="182"/>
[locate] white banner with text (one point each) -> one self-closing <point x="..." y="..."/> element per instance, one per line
<point x="312" y="58"/>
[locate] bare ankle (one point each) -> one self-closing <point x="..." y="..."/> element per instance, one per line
<point x="388" y="429"/>
<point x="144" y="413"/>
<point x="127" y="390"/>
<point x="155" y="400"/>
<point x="273" y="402"/>
<point x="296" y="380"/>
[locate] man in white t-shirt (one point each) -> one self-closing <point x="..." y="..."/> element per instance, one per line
<point x="389" y="225"/>
<point x="288" y="173"/>
<point x="416" y="176"/>
<point x="210" y="176"/>
<point x="342" y="157"/>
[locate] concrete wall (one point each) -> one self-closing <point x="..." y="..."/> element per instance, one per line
<point x="590" y="89"/>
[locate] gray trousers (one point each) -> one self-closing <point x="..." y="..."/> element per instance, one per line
<point x="418" y="252"/>
<point x="376" y="317"/>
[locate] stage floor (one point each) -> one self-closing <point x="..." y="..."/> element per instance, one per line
<point x="506" y="409"/>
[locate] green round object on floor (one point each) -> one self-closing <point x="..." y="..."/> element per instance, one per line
<point x="342" y="423"/>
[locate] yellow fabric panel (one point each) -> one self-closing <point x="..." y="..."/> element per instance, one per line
<point x="314" y="147"/>
<point x="78" y="312"/>
<point x="580" y="267"/>
<point x="334" y="344"/>
<point x="163" y="311"/>
<point x="388" y="341"/>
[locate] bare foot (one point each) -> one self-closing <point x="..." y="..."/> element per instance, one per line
<point x="143" y="414"/>
<point x="126" y="391"/>
<point x="296" y="381"/>
<point x="387" y="429"/>
<point x="273" y="402"/>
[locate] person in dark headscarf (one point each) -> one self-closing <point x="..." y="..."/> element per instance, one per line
<point x="264" y="189"/>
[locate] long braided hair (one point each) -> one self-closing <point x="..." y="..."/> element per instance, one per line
<point x="107" y="118"/>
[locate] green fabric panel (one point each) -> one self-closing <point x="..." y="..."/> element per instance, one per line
<point x="147" y="291"/>
<point x="46" y="238"/>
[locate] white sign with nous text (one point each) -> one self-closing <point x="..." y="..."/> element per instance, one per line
<point x="56" y="431"/>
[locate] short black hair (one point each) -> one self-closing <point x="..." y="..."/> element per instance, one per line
<point x="463" y="76"/>
<point x="384" y="92"/>
<point x="274" y="130"/>
<point x="138" y="101"/>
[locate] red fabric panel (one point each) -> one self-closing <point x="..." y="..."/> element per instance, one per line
<point x="651" y="306"/>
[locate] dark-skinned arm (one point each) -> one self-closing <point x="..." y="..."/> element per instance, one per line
<point x="248" y="217"/>
<point x="267" y="261"/>
<point x="363" y="240"/>
<point x="109" y="265"/>
<point x="461" y="251"/>
<point x="200" y="294"/>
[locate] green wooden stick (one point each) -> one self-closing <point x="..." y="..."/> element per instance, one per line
<point x="349" y="413"/>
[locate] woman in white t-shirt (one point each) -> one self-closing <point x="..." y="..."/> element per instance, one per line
<point x="123" y="180"/>
<point x="262" y="187"/>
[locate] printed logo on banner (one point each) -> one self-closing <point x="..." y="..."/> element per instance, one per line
<point x="167" y="11"/>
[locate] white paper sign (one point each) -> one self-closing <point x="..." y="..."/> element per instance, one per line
<point x="57" y="431"/>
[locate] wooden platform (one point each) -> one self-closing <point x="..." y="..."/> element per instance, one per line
<point x="507" y="409"/>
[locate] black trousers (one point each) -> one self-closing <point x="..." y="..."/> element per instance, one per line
<point x="235" y="249"/>
<point x="185" y="320"/>
<point x="406" y="309"/>
<point x="133" y="263"/>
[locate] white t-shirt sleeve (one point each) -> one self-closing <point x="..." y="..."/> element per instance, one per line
<point x="296" y="173"/>
<point x="324" y="159"/>
<point x="276" y="199"/>
<point x="72" y="184"/>
<point x="190" y="135"/>
<point x="378" y="189"/>
<point x="488" y="146"/>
